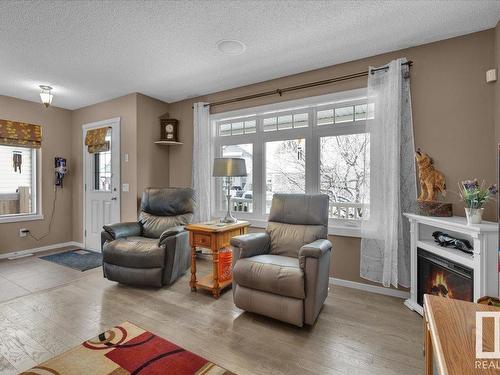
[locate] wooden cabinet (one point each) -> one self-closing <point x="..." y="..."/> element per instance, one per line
<point x="452" y="337"/>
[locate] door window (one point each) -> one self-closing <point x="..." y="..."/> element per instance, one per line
<point x="102" y="168"/>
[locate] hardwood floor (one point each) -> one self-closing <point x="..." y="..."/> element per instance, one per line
<point x="356" y="333"/>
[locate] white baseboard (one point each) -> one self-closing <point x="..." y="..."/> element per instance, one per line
<point x="412" y="305"/>
<point x="26" y="252"/>
<point x="370" y="288"/>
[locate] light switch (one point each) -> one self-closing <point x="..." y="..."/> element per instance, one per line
<point x="491" y="75"/>
<point x="125" y="188"/>
<point x="125" y="157"/>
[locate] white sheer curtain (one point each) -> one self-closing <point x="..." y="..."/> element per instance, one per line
<point x="385" y="252"/>
<point x="202" y="161"/>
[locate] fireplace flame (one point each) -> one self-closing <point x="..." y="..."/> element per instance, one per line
<point x="440" y="287"/>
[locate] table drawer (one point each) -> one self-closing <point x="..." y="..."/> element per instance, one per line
<point x="201" y="239"/>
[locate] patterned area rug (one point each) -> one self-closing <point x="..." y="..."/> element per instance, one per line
<point x="80" y="259"/>
<point x="125" y="350"/>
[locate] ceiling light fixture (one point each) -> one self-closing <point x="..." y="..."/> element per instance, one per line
<point x="231" y="47"/>
<point x="46" y="95"/>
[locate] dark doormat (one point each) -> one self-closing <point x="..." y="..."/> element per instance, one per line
<point x="80" y="259"/>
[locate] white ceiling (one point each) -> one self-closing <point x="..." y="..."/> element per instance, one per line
<point x="91" y="51"/>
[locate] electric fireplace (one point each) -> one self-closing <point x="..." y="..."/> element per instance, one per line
<point x="442" y="277"/>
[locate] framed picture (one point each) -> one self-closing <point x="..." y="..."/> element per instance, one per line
<point x="169" y="129"/>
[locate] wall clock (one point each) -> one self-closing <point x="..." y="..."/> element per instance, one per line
<point x="169" y="129"/>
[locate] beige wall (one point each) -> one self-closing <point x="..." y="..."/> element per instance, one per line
<point x="452" y="113"/>
<point x="152" y="160"/>
<point x="147" y="163"/>
<point x="56" y="130"/>
<point x="124" y="107"/>
<point x="62" y="136"/>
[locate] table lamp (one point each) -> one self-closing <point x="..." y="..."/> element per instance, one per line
<point x="229" y="167"/>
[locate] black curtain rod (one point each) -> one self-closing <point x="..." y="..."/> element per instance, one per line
<point x="280" y="92"/>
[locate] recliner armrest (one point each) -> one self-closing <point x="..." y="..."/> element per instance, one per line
<point x="126" y="229"/>
<point x="169" y="233"/>
<point x="251" y="244"/>
<point x="314" y="249"/>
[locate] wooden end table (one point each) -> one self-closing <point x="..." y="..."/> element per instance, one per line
<point x="213" y="236"/>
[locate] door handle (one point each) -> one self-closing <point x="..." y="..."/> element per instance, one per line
<point x="113" y="199"/>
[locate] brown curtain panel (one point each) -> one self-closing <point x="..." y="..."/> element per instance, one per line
<point x="95" y="140"/>
<point x="14" y="133"/>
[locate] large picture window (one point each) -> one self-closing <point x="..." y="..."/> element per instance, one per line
<point x="315" y="145"/>
<point x="17" y="182"/>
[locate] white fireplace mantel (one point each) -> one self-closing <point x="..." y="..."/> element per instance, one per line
<point x="483" y="261"/>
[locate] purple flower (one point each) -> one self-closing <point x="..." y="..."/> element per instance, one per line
<point x="493" y="189"/>
<point x="470" y="184"/>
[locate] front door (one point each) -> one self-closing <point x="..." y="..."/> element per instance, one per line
<point x="101" y="184"/>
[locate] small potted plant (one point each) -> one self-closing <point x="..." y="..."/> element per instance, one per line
<point x="475" y="196"/>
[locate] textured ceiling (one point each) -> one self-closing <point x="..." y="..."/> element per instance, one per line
<point x="91" y="51"/>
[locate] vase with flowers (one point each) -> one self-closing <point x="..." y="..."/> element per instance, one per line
<point x="475" y="195"/>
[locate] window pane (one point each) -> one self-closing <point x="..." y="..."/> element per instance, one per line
<point x="249" y="127"/>
<point x="300" y="120"/>
<point x="237" y="128"/>
<point x="360" y="112"/>
<point x="102" y="168"/>
<point x="285" y="122"/>
<point x="344" y="173"/>
<point x="16" y="180"/>
<point x="270" y="124"/>
<point x="285" y="168"/>
<point x="241" y="187"/>
<point x="225" y="130"/>
<point x="344" y="114"/>
<point x="325" y="117"/>
<point x="102" y="171"/>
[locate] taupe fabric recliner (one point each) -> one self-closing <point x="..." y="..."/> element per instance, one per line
<point x="284" y="272"/>
<point x="155" y="250"/>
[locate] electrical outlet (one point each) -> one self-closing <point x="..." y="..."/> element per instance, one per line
<point x="23" y="232"/>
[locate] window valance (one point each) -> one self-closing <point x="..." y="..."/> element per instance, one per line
<point x="14" y="133"/>
<point x="95" y="140"/>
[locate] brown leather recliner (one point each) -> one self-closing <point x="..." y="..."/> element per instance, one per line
<point x="153" y="251"/>
<point x="284" y="272"/>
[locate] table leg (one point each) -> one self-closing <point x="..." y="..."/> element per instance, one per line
<point x="192" y="283"/>
<point x="215" y="273"/>
<point x="427" y="349"/>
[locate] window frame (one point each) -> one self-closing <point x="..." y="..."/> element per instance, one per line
<point x="36" y="191"/>
<point x="312" y="134"/>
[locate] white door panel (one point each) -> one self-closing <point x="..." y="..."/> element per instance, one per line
<point x="94" y="215"/>
<point x="107" y="212"/>
<point x="102" y="185"/>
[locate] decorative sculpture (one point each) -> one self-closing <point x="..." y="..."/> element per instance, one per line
<point x="445" y="240"/>
<point x="432" y="182"/>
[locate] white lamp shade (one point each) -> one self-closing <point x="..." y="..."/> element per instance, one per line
<point x="229" y="167"/>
